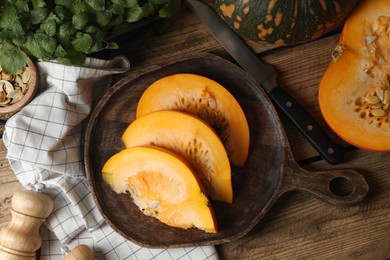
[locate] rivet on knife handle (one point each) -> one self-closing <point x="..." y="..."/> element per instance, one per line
<point x="265" y="75"/>
<point x="313" y="132"/>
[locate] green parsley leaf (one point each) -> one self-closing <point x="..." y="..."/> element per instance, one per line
<point x="98" y="5"/>
<point x="170" y="8"/>
<point x="148" y="8"/>
<point x="66" y="32"/>
<point x="12" y="58"/>
<point x="103" y="17"/>
<point x="38" y="3"/>
<point x="117" y="9"/>
<point x="75" y="57"/>
<point x="117" y="21"/>
<point x="38" y="15"/>
<point x="49" y="27"/>
<point x="62" y="12"/>
<point x="134" y="14"/>
<point x="126" y="3"/>
<point x="41" y="45"/>
<point x="82" y="42"/>
<point x="60" y="51"/>
<point x="111" y="45"/>
<point x="66" y="3"/>
<point x="80" y="6"/>
<point x="79" y="20"/>
<point x="91" y="29"/>
<point x="21" y="5"/>
<point x="9" y="19"/>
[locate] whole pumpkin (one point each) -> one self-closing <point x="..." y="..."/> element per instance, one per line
<point x="354" y="93"/>
<point x="283" y="22"/>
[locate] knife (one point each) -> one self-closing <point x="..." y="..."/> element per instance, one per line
<point x="266" y="76"/>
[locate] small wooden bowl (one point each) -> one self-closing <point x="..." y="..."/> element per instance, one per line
<point x="7" y="111"/>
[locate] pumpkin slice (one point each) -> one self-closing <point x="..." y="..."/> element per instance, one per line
<point x="206" y="99"/>
<point x="192" y="139"/>
<point x="162" y="185"/>
<point x="354" y="94"/>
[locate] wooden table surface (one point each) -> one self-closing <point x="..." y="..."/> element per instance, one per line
<point x="298" y="226"/>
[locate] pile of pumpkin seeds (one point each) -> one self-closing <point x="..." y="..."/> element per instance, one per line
<point x="13" y="87"/>
<point x="379" y="102"/>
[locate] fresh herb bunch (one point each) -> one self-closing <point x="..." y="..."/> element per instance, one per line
<point x="68" y="30"/>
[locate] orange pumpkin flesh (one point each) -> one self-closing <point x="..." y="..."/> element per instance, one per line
<point x="354" y="93"/>
<point x="192" y="139"/>
<point x="206" y="99"/>
<point x="162" y="185"/>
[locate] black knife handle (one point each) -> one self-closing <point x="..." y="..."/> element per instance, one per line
<point x="332" y="152"/>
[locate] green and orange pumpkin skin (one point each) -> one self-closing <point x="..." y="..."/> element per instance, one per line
<point x="284" y="22"/>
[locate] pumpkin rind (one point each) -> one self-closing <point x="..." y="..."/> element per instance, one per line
<point x="283" y="22"/>
<point x="206" y="99"/>
<point x="162" y="185"/>
<point x="355" y="90"/>
<point x="192" y="139"/>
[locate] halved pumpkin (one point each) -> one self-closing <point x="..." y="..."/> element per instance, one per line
<point x="206" y="99"/>
<point x="162" y="185"/>
<point x="354" y="93"/>
<point x="192" y="139"/>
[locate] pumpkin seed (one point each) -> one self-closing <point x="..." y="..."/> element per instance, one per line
<point x="378" y="112"/>
<point x="26" y="75"/>
<point x="16" y="98"/>
<point x="5" y="102"/>
<point x="370" y="39"/>
<point x="379" y="105"/>
<point x="14" y="93"/>
<point x="7" y="86"/>
<point x="338" y="51"/>
<point x="372" y="99"/>
<point x="2" y="95"/>
<point x="24" y="89"/>
<point x="212" y="103"/>
<point x="18" y="80"/>
<point x="375" y="26"/>
<point x="386" y="97"/>
<point x="379" y="93"/>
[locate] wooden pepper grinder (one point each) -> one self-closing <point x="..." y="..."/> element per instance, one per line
<point x="21" y="239"/>
<point x="80" y="252"/>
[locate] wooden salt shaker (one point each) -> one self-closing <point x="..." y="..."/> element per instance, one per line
<point x="21" y="239"/>
<point x="80" y="252"/>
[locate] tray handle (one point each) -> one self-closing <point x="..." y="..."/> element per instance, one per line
<point x="337" y="187"/>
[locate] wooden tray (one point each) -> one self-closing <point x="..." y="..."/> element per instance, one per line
<point x="269" y="172"/>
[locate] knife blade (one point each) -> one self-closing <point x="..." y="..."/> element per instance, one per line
<point x="266" y="76"/>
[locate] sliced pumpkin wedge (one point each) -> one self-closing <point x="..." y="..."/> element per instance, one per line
<point x="206" y="99"/>
<point x="192" y="139"/>
<point x="162" y="185"/>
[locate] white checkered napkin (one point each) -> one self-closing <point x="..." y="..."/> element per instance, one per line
<point x="44" y="142"/>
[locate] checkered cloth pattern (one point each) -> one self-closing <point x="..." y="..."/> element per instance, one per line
<point x="44" y="147"/>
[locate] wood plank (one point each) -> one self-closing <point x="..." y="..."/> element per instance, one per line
<point x="172" y="38"/>
<point x="301" y="227"/>
<point x="9" y="185"/>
